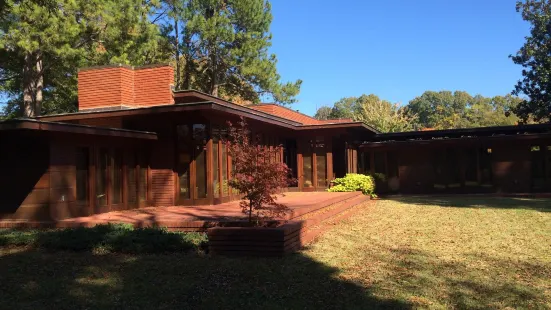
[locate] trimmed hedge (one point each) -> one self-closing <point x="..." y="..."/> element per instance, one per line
<point x="354" y="182"/>
<point x="121" y="238"/>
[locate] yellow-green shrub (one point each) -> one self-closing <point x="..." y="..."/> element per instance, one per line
<point x="354" y="182"/>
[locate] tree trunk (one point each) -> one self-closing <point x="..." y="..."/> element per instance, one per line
<point x="250" y="211"/>
<point x="39" y="87"/>
<point x="27" y="86"/>
<point x="213" y="73"/>
<point x="188" y="64"/>
<point x="33" y="82"/>
<point x="177" y="46"/>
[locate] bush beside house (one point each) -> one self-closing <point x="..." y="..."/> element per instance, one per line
<point x="120" y="238"/>
<point x="354" y="182"/>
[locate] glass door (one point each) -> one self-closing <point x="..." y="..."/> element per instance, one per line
<point x="192" y="164"/>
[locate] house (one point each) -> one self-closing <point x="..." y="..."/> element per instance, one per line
<point x="136" y="142"/>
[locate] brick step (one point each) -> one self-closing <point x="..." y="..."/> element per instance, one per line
<point x="321" y="224"/>
<point x="304" y="211"/>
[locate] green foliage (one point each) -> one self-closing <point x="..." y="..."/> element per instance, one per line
<point x="379" y="177"/>
<point x="433" y="110"/>
<point x="535" y="58"/>
<point x="323" y="113"/>
<point x="371" y="110"/>
<point x="43" y="43"/>
<point x="383" y="115"/>
<point x="447" y="110"/>
<point x="106" y="238"/>
<point x="223" y="49"/>
<point x="354" y="182"/>
<point x="220" y="47"/>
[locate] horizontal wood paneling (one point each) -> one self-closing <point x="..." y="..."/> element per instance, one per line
<point x="162" y="187"/>
<point x="24" y="180"/>
<point x="111" y="122"/>
<point x="28" y="212"/>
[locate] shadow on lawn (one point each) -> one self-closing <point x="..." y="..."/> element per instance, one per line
<point x="538" y="204"/>
<point x="38" y="279"/>
<point x="481" y="283"/>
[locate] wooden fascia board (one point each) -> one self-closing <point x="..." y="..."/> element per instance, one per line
<point x="458" y="141"/>
<point x="236" y="110"/>
<point x="76" y="129"/>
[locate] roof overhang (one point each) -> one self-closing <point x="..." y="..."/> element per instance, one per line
<point x="358" y="125"/>
<point x="461" y="134"/>
<point x="179" y="107"/>
<point x="46" y="126"/>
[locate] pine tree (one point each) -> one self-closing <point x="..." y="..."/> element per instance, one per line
<point x="43" y="43"/>
<point x="224" y="46"/>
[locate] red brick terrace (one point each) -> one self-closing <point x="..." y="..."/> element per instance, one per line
<point x="198" y="218"/>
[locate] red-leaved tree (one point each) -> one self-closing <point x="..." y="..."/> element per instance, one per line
<point x="257" y="174"/>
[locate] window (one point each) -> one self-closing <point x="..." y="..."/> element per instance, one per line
<point x="201" y="171"/>
<point x="538" y="167"/>
<point x="216" y="162"/>
<point x="380" y="166"/>
<point x="101" y="177"/>
<point x="225" y="186"/>
<point x="364" y="163"/>
<point x="184" y="161"/>
<point x="452" y="169"/>
<point x="82" y="164"/>
<point x="440" y="169"/>
<point x="199" y="132"/>
<point x="307" y="169"/>
<point x="142" y="178"/>
<point x="485" y="166"/>
<point x="116" y="176"/>
<point x="392" y="163"/>
<point x="131" y="182"/>
<point x="321" y="168"/>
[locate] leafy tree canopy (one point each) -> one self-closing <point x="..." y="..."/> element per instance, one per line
<point x="218" y="46"/>
<point x="373" y="111"/>
<point x="431" y="110"/>
<point x="43" y="43"/>
<point x="221" y="48"/>
<point x="323" y="113"/>
<point x="446" y="110"/>
<point x="535" y="58"/>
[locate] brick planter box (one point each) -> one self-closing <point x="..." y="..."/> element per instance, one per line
<point x="276" y="241"/>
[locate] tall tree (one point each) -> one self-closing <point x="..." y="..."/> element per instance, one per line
<point x="44" y="42"/>
<point x="383" y="115"/>
<point x="344" y="108"/>
<point x="323" y="113"/>
<point x="447" y="110"/>
<point x="225" y="50"/>
<point x="440" y="110"/>
<point x="535" y="58"/>
<point x="373" y="111"/>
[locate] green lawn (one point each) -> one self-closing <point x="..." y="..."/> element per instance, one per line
<point x="400" y="253"/>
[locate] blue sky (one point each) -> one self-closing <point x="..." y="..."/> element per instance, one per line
<point x="396" y="49"/>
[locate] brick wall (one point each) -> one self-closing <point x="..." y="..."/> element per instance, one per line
<point x="152" y="86"/>
<point x="124" y="87"/>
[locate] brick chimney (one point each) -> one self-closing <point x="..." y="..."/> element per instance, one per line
<point x="120" y="87"/>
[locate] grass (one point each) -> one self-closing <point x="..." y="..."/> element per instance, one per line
<point x="401" y="253"/>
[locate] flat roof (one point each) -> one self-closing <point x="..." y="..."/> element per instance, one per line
<point x="461" y="133"/>
<point x="39" y="125"/>
<point x="211" y="102"/>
